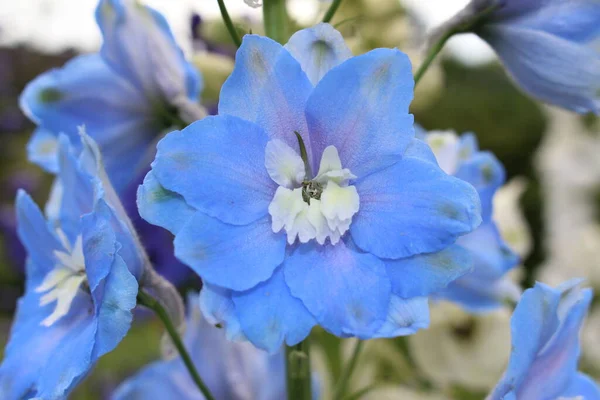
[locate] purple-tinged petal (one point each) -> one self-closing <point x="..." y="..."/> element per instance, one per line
<point x="346" y="291"/>
<point x="405" y="317"/>
<point x="361" y="108"/>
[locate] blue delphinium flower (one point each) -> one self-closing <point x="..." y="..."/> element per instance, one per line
<point x="546" y="46"/>
<point x="487" y="285"/>
<point x="307" y="200"/>
<point x="545" y="346"/>
<point x="127" y="95"/>
<point x="82" y="280"/>
<point x="234" y="371"/>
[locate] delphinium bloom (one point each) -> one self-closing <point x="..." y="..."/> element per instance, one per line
<point x="234" y="371"/>
<point x="307" y="200"/>
<point x="81" y="281"/>
<point x="545" y="346"/>
<point x="546" y="46"/>
<point x="487" y="285"/>
<point x="137" y="87"/>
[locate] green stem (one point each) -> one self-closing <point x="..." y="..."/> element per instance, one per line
<point x="298" y="374"/>
<point x="359" y="394"/>
<point x="335" y="4"/>
<point x="432" y="54"/>
<point x="340" y="388"/>
<point x="146" y="300"/>
<point x="229" y="24"/>
<point x="276" y="20"/>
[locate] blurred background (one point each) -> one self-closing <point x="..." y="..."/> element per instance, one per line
<point x="549" y="210"/>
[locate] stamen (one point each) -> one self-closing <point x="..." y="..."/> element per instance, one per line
<point x="304" y="155"/>
<point x="311" y="190"/>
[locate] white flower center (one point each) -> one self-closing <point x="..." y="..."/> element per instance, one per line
<point x="317" y="208"/>
<point x="62" y="283"/>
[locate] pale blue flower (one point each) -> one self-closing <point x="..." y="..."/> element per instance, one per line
<point x="487" y="285"/>
<point x="233" y="371"/>
<point x="545" y="346"/>
<point x="546" y="46"/>
<point x="127" y="95"/>
<point x="82" y="280"/>
<point x="355" y="240"/>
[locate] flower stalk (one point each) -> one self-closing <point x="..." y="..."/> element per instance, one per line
<point x="335" y="4"/>
<point x="275" y="18"/>
<point x="150" y="302"/>
<point x="342" y="385"/>
<point x="297" y="363"/>
<point x="229" y="24"/>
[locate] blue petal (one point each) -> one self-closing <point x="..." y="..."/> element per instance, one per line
<point x="411" y="208"/>
<point x="37" y="238"/>
<point x="405" y="317"/>
<point x="268" y="87"/>
<point x="480" y="296"/>
<point x="270" y="316"/>
<point x="571" y="80"/>
<point x="424" y="274"/>
<point x="486" y="174"/>
<point x="34" y="362"/>
<point x="572" y="20"/>
<point x="218" y="308"/>
<point x="115" y="300"/>
<point x="553" y="369"/>
<point x="63" y="99"/>
<point x="99" y="246"/>
<point x="41" y="149"/>
<point x="138" y="43"/>
<point x="533" y="322"/>
<point x="231" y="256"/>
<point x="218" y="166"/>
<point x="582" y="385"/>
<point x="162" y="207"/>
<point x="318" y="49"/>
<point x="417" y="148"/>
<point x="361" y="108"/>
<point x="347" y="292"/>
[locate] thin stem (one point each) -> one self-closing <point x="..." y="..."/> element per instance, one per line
<point x="340" y="388"/>
<point x="146" y="300"/>
<point x="359" y="394"/>
<point x="229" y="24"/>
<point x="299" y="383"/>
<point x="276" y="20"/>
<point x="431" y="55"/>
<point x="304" y="156"/>
<point x="335" y="4"/>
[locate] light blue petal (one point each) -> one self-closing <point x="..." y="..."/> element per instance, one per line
<point x="42" y="148"/>
<point x="318" y="49"/>
<point x="556" y="364"/>
<point x="492" y="258"/>
<point x="418" y="148"/>
<point x="218" y="166"/>
<point x="268" y="87"/>
<point x="424" y="274"/>
<point x="411" y="208"/>
<point x="270" y="316"/>
<point x="479" y="295"/>
<point x="99" y="246"/>
<point x="115" y="300"/>
<point x="218" y="308"/>
<point x="37" y="238"/>
<point x="361" y="108"/>
<point x="346" y="291"/>
<point x="548" y="67"/>
<point x="582" y="385"/>
<point x="79" y="190"/>
<point x="33" y="363"/>
<point x="162" y="207"/>
<point x="486" y="174"/>
<point x="230" y="256"/>
<point x="533" y="322"/>
<point x="405" y="317"/>
<point x="138" y="43"/>
<point x="63" y="99"/>
<point x="575" y="20"/>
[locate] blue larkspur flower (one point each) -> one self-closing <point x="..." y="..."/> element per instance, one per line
<point x="137" y="87"/>
<point x="545" y="346"/>
<point x="81" y="280"/>
<point x="235" y="371"/>
<point x="487" y="285"/>
<point x="355" y="239"/>
<point x="547" y="46"/>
